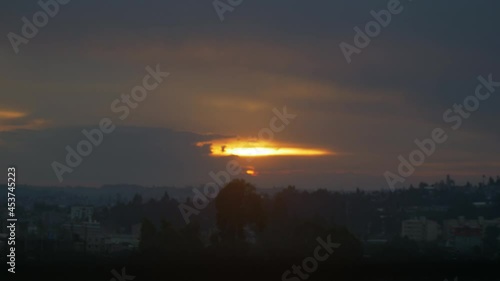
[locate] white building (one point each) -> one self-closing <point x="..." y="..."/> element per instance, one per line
<point x="86" y="236"/>
<point x="82" y="213"/>
<point x="420" y="229"/>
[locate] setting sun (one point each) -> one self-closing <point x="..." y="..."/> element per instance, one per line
<point x="250" y="172"/>
<point x="228" y="147"/>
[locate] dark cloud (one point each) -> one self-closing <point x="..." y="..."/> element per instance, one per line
<point x="227" y="76"/>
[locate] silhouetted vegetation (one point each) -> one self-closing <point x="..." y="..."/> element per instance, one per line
<point x="242" y="228"/>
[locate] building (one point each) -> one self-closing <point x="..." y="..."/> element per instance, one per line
<point x="467" y="235"/>
<point x="82" y="213"/>
<point x="420" y="230"/>
<point x="117" y="243"/>
<point x="86" y="236"/>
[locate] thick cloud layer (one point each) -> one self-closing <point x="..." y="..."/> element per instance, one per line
<point x="226" y="77"/>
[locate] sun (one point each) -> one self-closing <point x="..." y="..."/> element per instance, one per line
<point x="251" y="148"/>
<point x="251" y="172"/>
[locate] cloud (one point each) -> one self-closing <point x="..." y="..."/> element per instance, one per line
<point x="9" y="114"/>
<point x="226" y="78"/>
<point x="11" y="120"/>
<point x="128" y="155"/>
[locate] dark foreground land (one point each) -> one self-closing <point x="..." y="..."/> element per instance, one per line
<point x="247" y="269"/>
<point x="243" y="235"/>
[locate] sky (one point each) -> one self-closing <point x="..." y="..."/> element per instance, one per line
<point x="226" y="78"/>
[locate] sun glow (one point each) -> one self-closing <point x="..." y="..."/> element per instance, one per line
<point x="232" y="147"/>
<point x="251" y="172"/>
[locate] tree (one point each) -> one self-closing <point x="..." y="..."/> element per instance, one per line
<point x="423" y="185"/>
<point x="238" y="206"/>
<point x="490" y="240"/>
<point x="169" y="240"/>
<point x="165" y="197"/>
<point x="148" y="236"/>
<point x="491" y="181"/>
<point x="137" y="200"/>
<point x="191" y="236"/>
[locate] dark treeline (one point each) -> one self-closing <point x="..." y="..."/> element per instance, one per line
<point x="243" y="231"/>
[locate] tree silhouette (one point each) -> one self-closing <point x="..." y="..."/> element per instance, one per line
<point x="491" y="181"/>
<point x="490" y="240"/>
<point x="148" y="236"/>
<point x="238" y="206"/>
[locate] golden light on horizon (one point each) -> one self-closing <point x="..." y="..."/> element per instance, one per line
<point x="232" y="147"/>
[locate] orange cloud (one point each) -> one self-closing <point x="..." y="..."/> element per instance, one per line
<point x="10" y="114"/>
<point x="11" y="120"/>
